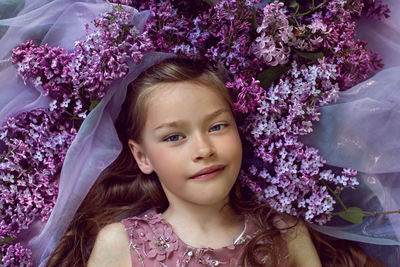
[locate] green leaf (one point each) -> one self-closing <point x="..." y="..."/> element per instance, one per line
<point x="352" y="214"/>
<point x="294" y="4"/>
<point x="93" y="104"/>
<point x="267" y="77"/>
<point x="254" y="20"/>
<point x="314" y="56"/>
<point x="6" y="240"/>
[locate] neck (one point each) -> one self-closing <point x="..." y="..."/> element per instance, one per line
<point x="205" y="226"/>
<point x="203" y="216"/>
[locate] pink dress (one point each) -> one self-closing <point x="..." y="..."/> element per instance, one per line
<point x="153" y="243"/>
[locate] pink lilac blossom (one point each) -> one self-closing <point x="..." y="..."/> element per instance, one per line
<point x="277" y="37"/>
<point x="308" y="36"/>
<point x="222" y="33"/>
<point x="103" y="56"/>
<point x="275" y="34"/>
<point x="227" y="31"/>
<point x="229" y="25"/>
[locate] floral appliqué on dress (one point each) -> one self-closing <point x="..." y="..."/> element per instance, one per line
<point x="152" y="242"/>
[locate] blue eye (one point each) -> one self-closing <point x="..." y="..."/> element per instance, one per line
<point x="217" y="127"/>
<point x="173" y="138"/>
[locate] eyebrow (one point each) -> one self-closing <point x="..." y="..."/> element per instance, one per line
<point x="180" y="122"/>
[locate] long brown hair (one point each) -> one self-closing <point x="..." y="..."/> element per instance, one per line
<point x="122" y="190"/>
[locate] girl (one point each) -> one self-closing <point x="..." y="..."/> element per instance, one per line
<point x="171" y="198"/>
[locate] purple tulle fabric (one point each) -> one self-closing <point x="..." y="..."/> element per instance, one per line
<point x="360" y="131"/>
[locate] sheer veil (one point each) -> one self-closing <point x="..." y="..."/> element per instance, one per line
<point x="361" y="130"/>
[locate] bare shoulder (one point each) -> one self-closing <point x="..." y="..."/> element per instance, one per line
<point x="301" y="248"/>
<point x="111" y="247"/>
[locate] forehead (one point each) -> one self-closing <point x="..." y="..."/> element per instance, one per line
<point x="182" y="100"/>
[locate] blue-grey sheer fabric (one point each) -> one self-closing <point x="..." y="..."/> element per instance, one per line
<point x="360" y="131"/>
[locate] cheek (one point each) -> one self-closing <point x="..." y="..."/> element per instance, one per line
<point x="232" y="147"/>
<point x="163" y="161"/>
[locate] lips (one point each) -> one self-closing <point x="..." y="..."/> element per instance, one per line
<point x="208" y="172"/>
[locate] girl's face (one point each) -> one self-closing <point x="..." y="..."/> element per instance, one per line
<point x="190" y="140"/>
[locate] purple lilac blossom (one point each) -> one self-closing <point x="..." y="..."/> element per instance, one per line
<point x="16" y="255"/>
<point x="76" y="79"/>
<point x="353" y="60"/>
<point x="290" y="178"/>
<point x="167" y="28"/>
<point x="228" y="30"/>
<point x="222" y="34"/>
<point x="376" y="9"/>
<point x="36" y="144"/>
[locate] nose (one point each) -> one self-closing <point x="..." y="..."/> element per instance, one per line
<point x="202" y="147"/>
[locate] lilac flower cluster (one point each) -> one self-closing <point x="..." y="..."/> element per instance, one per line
<point x="34" y="147"/>
<point x="290" y="177"/>
<point x="376" y="9"/>
<point x="275" y="34"/>
<point x="103" y="56"/>
<point x="247" y="92"/>
<point x="222" y="33"/>
<point x="167" y="28"/>
<point x="230" y="28"/>
<point x="74" y="80"/>
<point x="277" y="37"/>
<point x="228" y="32"/>
<point x="45" y="67"/>
<point x="16" y="255"/>
<point x="353" y="60"/>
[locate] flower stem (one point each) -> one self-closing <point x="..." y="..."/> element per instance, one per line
<point x="373" y="213"/>
<point x="6" y="156"/>
<point x="309" y="11"/>
<point x="343" y="59"/>
<point x="334" y="194"/>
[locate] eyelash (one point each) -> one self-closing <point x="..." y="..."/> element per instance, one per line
<point x="221" y="124"/>
<point x="168" y="138"/>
